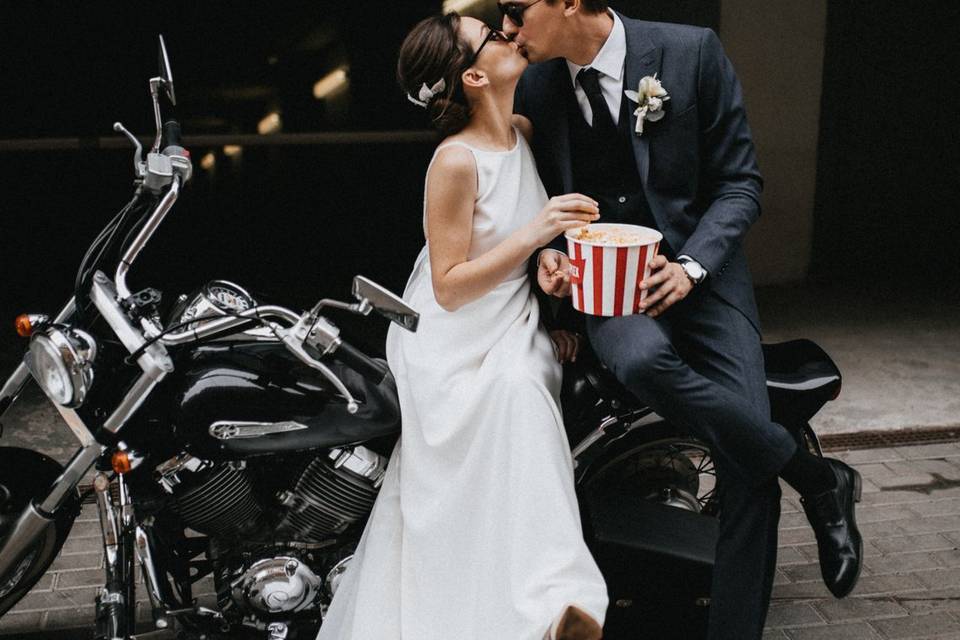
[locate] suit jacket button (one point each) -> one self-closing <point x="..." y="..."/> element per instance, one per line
<point x="622" y="199"/>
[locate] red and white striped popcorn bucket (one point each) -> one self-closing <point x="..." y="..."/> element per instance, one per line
<point x="607" y="263"/>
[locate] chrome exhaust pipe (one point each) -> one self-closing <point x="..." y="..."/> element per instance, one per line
<point x="40" y="514"/>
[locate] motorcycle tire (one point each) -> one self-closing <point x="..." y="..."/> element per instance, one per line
<point x="24" y="476"/>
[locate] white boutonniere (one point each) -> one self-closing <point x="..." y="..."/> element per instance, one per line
<point x="649" y="98"/>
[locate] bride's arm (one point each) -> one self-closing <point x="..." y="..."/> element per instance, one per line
<point x="451" y="193"/>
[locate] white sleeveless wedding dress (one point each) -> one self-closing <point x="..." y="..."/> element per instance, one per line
<point x="475" y="534"/>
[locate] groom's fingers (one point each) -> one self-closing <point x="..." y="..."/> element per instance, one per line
<point x="657" y="294"/>
<point x="658" y="263"/>
<point x="659" y="275"/>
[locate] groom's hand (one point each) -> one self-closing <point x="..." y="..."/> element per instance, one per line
<point x="553" y="273"/>
<point x="667" y="285"/>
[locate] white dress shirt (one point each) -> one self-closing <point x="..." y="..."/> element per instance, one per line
<point x="609" y="62"/>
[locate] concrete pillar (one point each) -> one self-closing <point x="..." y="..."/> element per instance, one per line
<point x="777" y="49"/>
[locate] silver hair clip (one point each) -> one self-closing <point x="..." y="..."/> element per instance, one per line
<point x="427" y="93"/>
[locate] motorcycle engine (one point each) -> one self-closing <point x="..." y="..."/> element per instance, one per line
<point x="276" y="585"/>
<point x="270" y="547"/>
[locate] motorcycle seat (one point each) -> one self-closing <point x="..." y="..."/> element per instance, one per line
<point x="800" y="376"/>
<point x="799" y="366"/>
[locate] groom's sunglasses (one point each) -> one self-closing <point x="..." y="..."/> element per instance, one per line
<point x="514" y="12"/>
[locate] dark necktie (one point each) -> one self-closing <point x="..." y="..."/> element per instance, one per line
<point x="589" y="79"/>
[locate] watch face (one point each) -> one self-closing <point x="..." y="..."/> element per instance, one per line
<point x="694" y="270"/>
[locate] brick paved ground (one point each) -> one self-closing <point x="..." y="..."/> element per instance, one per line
<point x="910" y="587"/>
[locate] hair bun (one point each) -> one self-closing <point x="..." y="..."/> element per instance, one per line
<point x="433" y="50"/>
<point x="447" y="115"/>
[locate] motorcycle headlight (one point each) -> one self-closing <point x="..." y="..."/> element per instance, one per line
<point x="61" y="360"/>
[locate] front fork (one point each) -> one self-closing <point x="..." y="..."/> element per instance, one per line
<point x="124" y="539"/>
<point x="116" y="602"/>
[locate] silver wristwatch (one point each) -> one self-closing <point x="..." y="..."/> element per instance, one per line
<point x="693" y="269"/>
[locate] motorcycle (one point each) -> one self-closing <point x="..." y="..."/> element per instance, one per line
<point x="247" y="442"/>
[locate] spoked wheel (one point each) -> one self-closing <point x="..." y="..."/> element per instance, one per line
<point x="658" y="464"/>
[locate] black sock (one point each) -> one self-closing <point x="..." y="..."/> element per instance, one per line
<point x="808" y="474"/>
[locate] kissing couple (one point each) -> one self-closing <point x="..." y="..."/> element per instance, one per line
<point x="568" y="114"/>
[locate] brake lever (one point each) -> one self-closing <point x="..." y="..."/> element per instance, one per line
<point x="362" y="308"/>
<point x="294" y="339"/>
<point x="138" y="166"/>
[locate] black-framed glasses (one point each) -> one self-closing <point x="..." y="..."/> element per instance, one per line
<point x="492" y="35"/>
<point x="514" y="11"/>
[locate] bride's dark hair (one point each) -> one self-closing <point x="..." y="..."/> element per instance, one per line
<point x="433" y="50"/>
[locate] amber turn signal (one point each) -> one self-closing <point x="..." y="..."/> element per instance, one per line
<point x="120" y="462"/>
<point x="24" y="326"/>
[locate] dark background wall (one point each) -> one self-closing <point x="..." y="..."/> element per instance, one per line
<point x="293" y="223"/>
<point x="888" y="183"/>
<point x="296" y="222"/>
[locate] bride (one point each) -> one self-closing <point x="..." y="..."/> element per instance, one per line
<point x="475" y="534"/>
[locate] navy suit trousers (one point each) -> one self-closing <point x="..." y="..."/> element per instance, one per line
<point x="700" y="365"/>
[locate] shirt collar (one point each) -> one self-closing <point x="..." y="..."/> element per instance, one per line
<point x="610" y="59"/>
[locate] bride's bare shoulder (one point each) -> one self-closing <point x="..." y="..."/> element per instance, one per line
<point x="524" y="125"/>
<point x="453" y="167"/>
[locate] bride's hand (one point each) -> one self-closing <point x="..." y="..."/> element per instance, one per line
<point x="568" y="211"/>
<point x="567" y="344"/>
<point x="553" y="273"/>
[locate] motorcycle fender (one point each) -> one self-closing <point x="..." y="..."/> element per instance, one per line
<point x="26" y="475"/>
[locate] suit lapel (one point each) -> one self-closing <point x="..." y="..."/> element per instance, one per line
<point x="643" y="59"/>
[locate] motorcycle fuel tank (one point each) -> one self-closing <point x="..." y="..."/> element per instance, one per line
<point x="248" y="398"/>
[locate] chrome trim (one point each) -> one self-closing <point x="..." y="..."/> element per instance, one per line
<point x="77" y="350"/>
<point x="15" y="384"/>
<point x="37" y="516"/>
<point x="593" y="436"/>
<point x="109" y="525"/>
<point x="323" y="336"/>
<point x="294" y="338"/>
<point x="166" y="472"/>
<point x="74" y="422"/>
<point x="81" y="461"/>
<point x="235" y="429"/>
<point x="138" y="150"/>
<point x="126" y="503"/>
<point x="149" y="571"/>
<point x="219" y="325"/>
<point x="361" y="461"/>
<point x="642" y="421"/>
<point x="600" y="432"/>
<point x="154" y="360"/>
<point x="204" y="306"/>
<point x="120" y="279"/>
<point x="155" y="84"/>
<point x="31" y="523"/>
<point x="335" y="575"/>
<point x="806" y="385"/>
<point x="274" y="585"/>
<point x="131" y="402"/>
<point x="13" y="387"/>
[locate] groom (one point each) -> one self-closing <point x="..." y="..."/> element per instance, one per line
<point x="694" y="356"/>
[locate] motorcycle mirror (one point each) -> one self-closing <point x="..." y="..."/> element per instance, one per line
<point x="386" y="303"/>
<point x="166" y="74"/>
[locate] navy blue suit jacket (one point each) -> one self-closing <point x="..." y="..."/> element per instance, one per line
<point x="697" y="164"/>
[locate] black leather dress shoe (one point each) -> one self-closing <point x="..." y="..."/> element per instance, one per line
<point x="831" y="514"/>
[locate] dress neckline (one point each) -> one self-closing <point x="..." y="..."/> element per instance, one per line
<point x="516" y="144"/>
